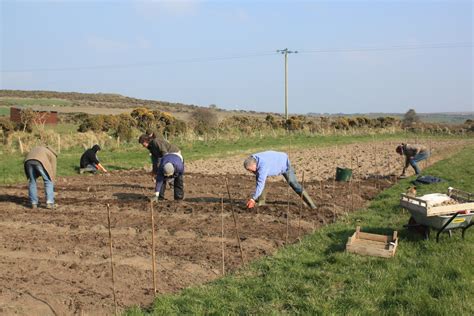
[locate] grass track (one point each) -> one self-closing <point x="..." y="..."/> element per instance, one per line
<point x="316" y="276"/>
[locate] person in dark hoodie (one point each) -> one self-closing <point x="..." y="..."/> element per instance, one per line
<point x="41" y="162"/>
<point x="158" y="147"/>
<point x="89" y="161"/>
<point x="171" y="167"/>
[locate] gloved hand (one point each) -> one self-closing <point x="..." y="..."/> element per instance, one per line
<point x="153" y="198"/>
<point x="251" y="203"/>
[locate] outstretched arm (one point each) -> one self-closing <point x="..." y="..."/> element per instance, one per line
<point x="100" y="167"/>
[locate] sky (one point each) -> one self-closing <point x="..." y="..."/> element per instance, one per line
<point x="353" y="56"/>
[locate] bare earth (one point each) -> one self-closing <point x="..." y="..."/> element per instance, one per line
<point x="57" y="261"/>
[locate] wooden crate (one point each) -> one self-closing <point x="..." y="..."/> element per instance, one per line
<point x="465" y="202"/>
<point x="372" y="244"/>
<point x="422" y="207"/>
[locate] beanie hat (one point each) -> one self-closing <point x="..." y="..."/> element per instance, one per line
<point x="168" y="169"/>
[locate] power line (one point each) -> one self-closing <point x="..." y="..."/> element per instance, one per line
<point x="244" y="56"/>
<point x="388" y="48"/>
<point x="142" y="64"/>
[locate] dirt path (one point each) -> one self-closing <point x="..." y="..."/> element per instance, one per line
<point x="57" y="261"/>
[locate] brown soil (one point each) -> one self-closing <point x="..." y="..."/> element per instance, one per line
<point x="57" y="261"/>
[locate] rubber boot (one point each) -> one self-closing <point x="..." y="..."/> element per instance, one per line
<point x="261" y="198"/>
<point x="307" y="199"/>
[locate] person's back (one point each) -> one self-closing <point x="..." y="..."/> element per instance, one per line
<point x="46" y="156"/>
<point x="411" y="150"/>
<point x="271" y="163"/>
<point x="89" y="157"/>
<point x="158" y="147"/>
<point x="41" y="162"/>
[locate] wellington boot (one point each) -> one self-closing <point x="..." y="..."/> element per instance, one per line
<point x="262" y="197"/>
<point x="307" y="199"/>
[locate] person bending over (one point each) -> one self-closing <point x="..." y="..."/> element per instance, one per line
<point x="413" y="154"/>
<point x="272" y="163"/>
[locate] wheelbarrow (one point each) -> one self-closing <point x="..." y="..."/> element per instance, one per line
<point x="457" y="214"/>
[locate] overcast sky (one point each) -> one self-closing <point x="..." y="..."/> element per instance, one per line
<point x="354" y="56"/>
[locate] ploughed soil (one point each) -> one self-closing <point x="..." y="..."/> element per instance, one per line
<point x="58" y="261"/>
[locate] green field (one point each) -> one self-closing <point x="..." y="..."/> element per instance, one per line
<point x="4" y="111"/>
<point x="33" y="101"/>
<point x="317" y="277"/>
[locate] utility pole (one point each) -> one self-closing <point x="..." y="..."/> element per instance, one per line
<point x="286" y="52"/>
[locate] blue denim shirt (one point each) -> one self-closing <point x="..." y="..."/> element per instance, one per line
<point x="269" y="163"/>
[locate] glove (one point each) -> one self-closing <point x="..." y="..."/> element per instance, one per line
<point x="251" y="203"/>
<point x="154" y="197"/>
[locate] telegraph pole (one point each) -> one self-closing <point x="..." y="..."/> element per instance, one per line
<point x="286" y="52"/>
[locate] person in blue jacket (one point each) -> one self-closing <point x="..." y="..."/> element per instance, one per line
<point x="272" y="163"/>
<point x="171" y="166"/>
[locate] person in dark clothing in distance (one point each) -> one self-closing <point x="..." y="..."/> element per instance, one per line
<point x="89" y="161"/>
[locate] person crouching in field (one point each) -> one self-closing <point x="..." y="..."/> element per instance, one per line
<point x="272" y="163"/>
<point x="413" y="154"/>
<point x="171" y="167"/>
<point x="41" y="161"/>
<point x="89" y="161"/>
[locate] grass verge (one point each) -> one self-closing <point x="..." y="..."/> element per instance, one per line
<point x="317" y="276"/>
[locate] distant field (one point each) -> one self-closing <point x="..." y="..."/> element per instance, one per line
<point x="4" y="111"/>
<point x="442" y="118"/>
<point x="33" y="101"/>
<point x="446" y="118"/>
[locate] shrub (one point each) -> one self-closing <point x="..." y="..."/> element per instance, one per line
<point x="144" y="118"/>
<point x="204" y="120"/>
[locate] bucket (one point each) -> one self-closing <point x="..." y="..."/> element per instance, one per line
<point x="343" y="174"/>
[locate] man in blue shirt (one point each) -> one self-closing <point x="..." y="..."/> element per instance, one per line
<point x="171" y="166"/>
<point x="273" y="163"/>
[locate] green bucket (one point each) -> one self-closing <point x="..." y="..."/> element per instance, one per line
<point x="343" y="174"/>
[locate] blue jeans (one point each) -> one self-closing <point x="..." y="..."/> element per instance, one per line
<point x="90" y="168"/>
<point x="419" y="157"/>
<point x="34" y="171"/>
<point x="290" y="177"/>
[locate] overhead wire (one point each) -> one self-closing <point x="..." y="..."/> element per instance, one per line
<point x="243" y="56"/>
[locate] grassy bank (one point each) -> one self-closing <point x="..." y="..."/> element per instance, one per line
<point x="131" y="156"/>
<point x="316" y="276"/>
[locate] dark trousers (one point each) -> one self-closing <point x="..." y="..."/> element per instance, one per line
<point x="178" y="188"/>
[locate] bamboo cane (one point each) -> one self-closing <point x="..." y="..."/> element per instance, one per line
<point x="111" y="259"/>
<point x="235" y="221"/>
<point x="222" y="235"/>
<point x="153" y="264"/>
<point x="351" y="181"/>
<point x="301" y="204"/>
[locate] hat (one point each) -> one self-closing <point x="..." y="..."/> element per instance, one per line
<point x="168" y="169"/>
<point x="399" y="149"/>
